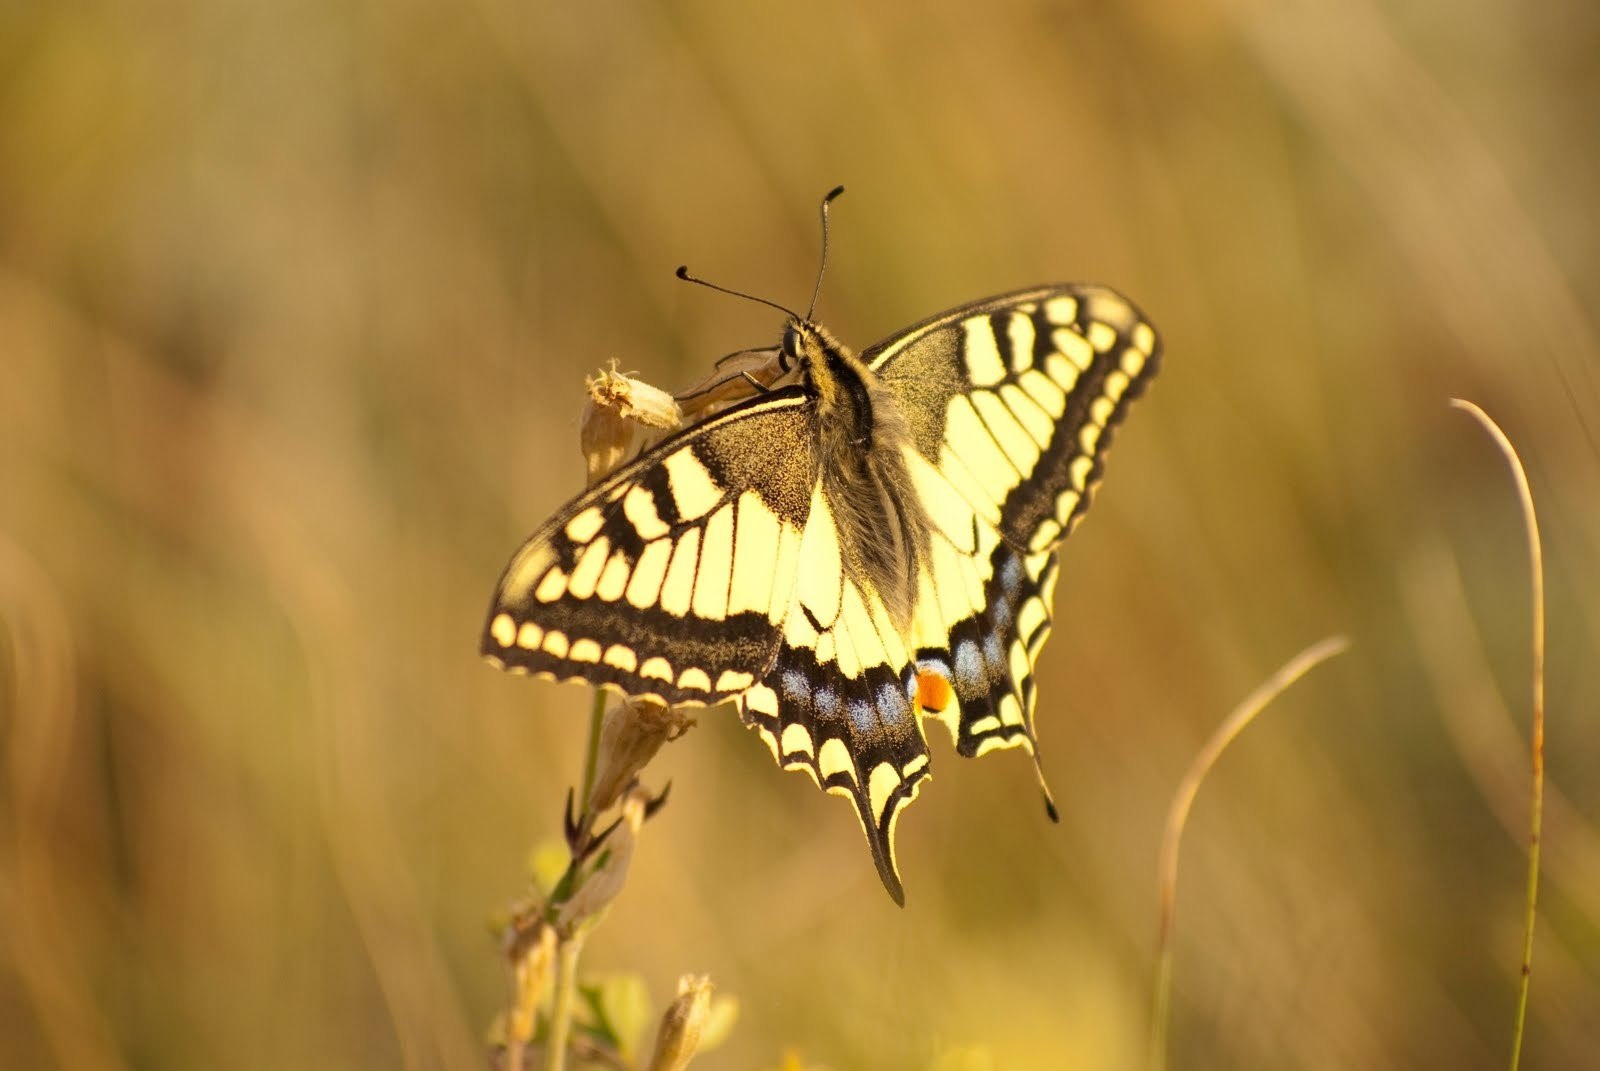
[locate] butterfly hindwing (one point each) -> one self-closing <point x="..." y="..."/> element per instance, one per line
<point x="673" y="576"/>
<point x="989" y="654"/>
<point x="839" y="702"/>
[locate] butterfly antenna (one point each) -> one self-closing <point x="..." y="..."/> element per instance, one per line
<point x="683" y="273"/>
<point x="817" y="289"/>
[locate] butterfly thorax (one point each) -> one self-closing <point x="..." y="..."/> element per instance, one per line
<point x="861" y="437"/>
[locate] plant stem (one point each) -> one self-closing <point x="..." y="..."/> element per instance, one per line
<point x="515" y="1049"/>
<point x="591" y="758"/>
<point x="572" y="944"/>
<point x="1530" y="521"/>
<point x="555" y="1051"/>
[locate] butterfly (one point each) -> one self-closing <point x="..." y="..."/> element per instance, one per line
<point x="869" y="543"/>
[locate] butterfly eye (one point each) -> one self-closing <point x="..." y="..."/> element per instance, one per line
<point x="791" y="346"/>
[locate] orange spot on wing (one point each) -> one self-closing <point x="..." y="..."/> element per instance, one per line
<point x="933" y="691"/>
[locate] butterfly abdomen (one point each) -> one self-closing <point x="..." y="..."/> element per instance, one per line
<point x="861" y="437"/>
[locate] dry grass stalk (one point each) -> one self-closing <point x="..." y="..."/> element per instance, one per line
<point x="1178" y="816"/>
<point x="1536" y="745"/>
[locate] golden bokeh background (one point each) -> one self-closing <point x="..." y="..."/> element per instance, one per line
<point x="296" y="301"/>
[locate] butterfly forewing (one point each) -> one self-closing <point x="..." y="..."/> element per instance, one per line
<point x="1012" y="401"/>
<point x="672" y="577"/>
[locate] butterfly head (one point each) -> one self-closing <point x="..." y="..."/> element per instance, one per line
<point x="795" y="351"/>
<point x="808" y="346"/>
<point x="826" y="366"/>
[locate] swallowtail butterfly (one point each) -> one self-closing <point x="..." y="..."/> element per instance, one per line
<point x="870" y="540"/>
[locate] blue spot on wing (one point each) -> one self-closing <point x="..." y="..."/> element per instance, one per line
<point x="891" y="697"/>
<point x="796" y="683"/>
<point x="1010" y="574"/>
<point x="1001" y="614"/>
<point x="968" y="664"/>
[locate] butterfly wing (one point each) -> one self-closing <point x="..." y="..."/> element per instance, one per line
<point x="1011" y="403"/>
<point x="671" y="577"/>
<point x="839" y="701"/>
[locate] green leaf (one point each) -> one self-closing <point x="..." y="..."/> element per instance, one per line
<point x="547" y="863"/>
<point x="621" y="1005"/>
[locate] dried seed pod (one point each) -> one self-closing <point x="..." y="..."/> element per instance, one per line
<point x="623" y="417"/>
<point x="682" y="1024"/>
<point x="632" y="733"/>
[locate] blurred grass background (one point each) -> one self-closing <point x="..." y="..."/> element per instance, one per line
<point x="295" y="304"/>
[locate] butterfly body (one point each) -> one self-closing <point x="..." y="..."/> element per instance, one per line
<point x="860" y="439"/>
<point x="841" y="556"/>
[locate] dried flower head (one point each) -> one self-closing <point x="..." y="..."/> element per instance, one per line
<point x="623" y="417"/>
<point x="632" y="733"/>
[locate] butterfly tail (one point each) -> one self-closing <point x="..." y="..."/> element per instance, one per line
<point x="857" y="737"/>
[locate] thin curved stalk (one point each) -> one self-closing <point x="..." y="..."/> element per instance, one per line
<point x="1178" y="816"/>
<point x="1536" y="804"/>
